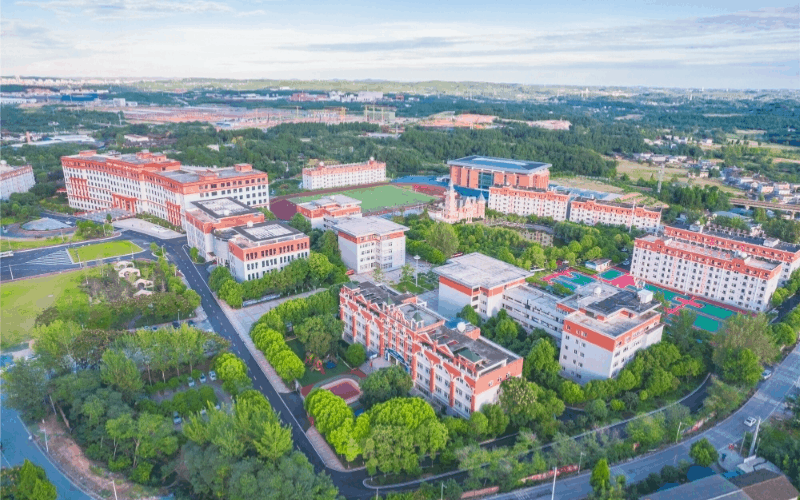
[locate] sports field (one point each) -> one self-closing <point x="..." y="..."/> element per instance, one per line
<point x="21" y="301"/>
<point x="103" y="250"/>
<point x="375" y="198"/>
<point x="611" y="274"/>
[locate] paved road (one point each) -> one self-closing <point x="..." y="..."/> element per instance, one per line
<point x="767" y="400"/>
<point x="17" y="447"/>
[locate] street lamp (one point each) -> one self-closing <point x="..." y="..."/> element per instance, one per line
<point x="678" y="434"/>
<point x="416" y="274"/>
<point x="441" y="491"/>
<point x="580" y="461"/>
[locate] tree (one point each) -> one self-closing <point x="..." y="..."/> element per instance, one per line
<point x="319" y="267"/>
<point x="385" y="384"/>
<point x="682" y="331"/>
<point x="268" y="215"/>
<point x="601" y="476"/>
<point x="26" y="388"/>
<point x="300" y="223"/>
<point x="703" y="453"/>
<point x="741" y="366"/>
<point x="784" y="334"/>
<point x="542" y="360"/>
<point x="355" y="355"/>
<point x="498" y="420"/>
<point x="120" y="373"/>
<point x="153" y="435"/>
<point x="31" y="484"/>
<point x="479" y="423"/>
<point x="742" y="331"/>
<point x="317" y="336"/>
<point x="56" y="344"/>
<point x="647" y="431"/>
<point x="469" y="314"/>
<point x="407" y="274"/>
<point x="378" y="275"/>
<point x="442" y="237"/>
<point x="571" y="392"/>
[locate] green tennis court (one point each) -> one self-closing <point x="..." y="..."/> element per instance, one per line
<point x="707" y="324"/>
<point x="714" y="311"/>
<point x="580" y="279"/>
<point x="567" y="283"/>
<point x="374" y="198"/>
<point x="668" y="294"/>
<point x="611" y="274"/>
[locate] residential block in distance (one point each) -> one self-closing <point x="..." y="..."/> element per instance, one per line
<point x="236" y="236"/>
<point x="591" y="211"/>
<point x="768" y="249"/>
<point x="152" y="183"/>
<point x="733" y="278"/>
<point x="324" y="212"/>
<point x="483" y="172"/>
<point x="368" y="243"/>
<point x="528" y="201"/>
<point x="15" y="179"/>
<point x="349" y="174"/>
<point x="604" y="328"/>
<point x="449" y="362"/>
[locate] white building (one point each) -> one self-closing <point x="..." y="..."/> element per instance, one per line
<point x="604" y="328"/>
<point x="15" y="179"/>
<point x="326" y="211"/>
<point x="590" y="211"/>
<point x="350" y="174"/>
<point x="367" y="243"/>
<point x="528" y="201"/>
<point x="534" y="308"/>
<point x="732" y="278"/>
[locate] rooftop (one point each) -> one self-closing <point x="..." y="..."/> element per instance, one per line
<point x="526" y="294"/>
<point x="619" y="204"/>
<point x="765" y="242"/>
<point x="707" y="488"/>
<point x="4" y="167"/>
<point x="478" y="270"/>
<point x="710" y="252"/>
<point x="365" y="226"/>
<point x="334" y="199"/>
<point x="259" y="234"/>
<point x="500" y="164"/>
<point x="601" y="299"/>
<point x="765" y="484"/>
<point x="223" y="207"/>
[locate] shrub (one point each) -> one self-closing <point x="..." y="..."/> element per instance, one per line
<point x="119" y="464"/>
<point x="141" y="474"/>
<point x="617" y="405"/>
<point x="356" y="355"/>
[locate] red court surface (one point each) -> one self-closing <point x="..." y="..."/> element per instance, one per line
<point x="345" y="389"/>
<point x="623" y="281"/>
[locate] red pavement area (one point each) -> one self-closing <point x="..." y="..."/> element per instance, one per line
<point x="623" y="281"/>
<point x="345" y="389"/>
<point x="283" y="209"/>
<point x="549" y="278"/>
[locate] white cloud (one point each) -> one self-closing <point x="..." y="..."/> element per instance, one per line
<point x="117" y="9"/>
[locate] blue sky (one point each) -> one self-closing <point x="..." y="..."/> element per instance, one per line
<point x="731" y="44"/>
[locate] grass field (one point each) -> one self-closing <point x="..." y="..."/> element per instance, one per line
<point x="21" y="301"/>
<point x="375" y="198"/>
<point x="644" y="171"/>
<point x="103" y="250"/>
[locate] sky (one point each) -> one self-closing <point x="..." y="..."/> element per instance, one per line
<point x="711" y="44"/>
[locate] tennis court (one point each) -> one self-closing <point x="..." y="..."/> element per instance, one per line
<point x="611" y="274"/>
<point x="668" y="294"/>
<point x="567" y="283"/>
<point x="712" y="310"/>
<point x="376" y="197"/>
<point x="707" y="324"/>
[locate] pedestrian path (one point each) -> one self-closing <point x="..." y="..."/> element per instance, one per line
<point x="324" y="450"/>
<point x="57" y="258"/>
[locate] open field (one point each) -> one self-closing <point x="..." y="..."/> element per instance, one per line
<point x="26" y="243"/>
<point x="21" y="301"/>
<point x="581" y="183"/>
<point x="644" y="171"/>
<point x="374" y="198"/>
<point x="103" y="250"/>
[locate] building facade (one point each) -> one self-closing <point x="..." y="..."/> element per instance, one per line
<point x="15" y="179"/>
<point x="369" y="243"/>
<point x="733" y="278"/>
<point x="350" y="174"/>
<point x="768" y="249"/>
<point x="603" y="329"/>
<point x="456" y="208"/>
<point x="152" y="183"/>
<point x="451" y="364"/>
<point x="324" y="212"/>
<point x="590" y="211"/>
<point x="535" y="308"/>
<point x="483" y="172"/>
<point x="528" y="201"/>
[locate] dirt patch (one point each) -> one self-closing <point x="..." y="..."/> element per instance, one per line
<point x="69" y="457"/>
<point x="583" y="183"/>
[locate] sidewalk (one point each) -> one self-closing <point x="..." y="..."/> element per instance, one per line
<point x="245" y="317"/>
<point x="324" y="450"/>
<point x="147" y="228"/>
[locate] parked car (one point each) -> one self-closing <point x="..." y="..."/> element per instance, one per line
<point x="176" y="324"/>
<point x="154" y="328"/>
<point x="212" y="375"/>
<point x="191" y="382"/>
<point x="626" y="263"/>
<point x="750" y="422"/>
<point x="190" y="322"/>
<point x="202" y="378"/>
<point x="766" y="374"/>
<point x="176" y="418"/>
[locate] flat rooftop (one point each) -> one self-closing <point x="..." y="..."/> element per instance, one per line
<point x="479" y="270"/>
<point x="710" y="252"/>
<point x="606" y="300"/>
<point x="365" y="226"/>
<point x="192" y="174"/>
<point x="223" y="207"/>
<point x="260" y="234"/>
<point x="500" y="164"/>
<point x="706" y="488"/>
<point x="764" y="242"/>
<point x="526" y="294"/>
<point x="10" y="168"/>
<point x="326" y="201"/>
<point x="618" y="204"/>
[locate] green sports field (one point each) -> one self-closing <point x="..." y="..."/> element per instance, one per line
<point x="375" y="198"/>
<point x="103" y="250"/>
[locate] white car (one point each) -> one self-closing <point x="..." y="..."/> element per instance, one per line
<point x="750" y="422"/>
<point x="766" y="374"/>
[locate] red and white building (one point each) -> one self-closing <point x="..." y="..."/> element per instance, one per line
<point x="483" y="172"/>
<point x="476" y="280"/>
<point x="768" y="249"/>
<point x="450" y="363"/>
<point x="152" y="183"/>
<point x="369" y="243"/>
<point x="528" y="201"/>
<point x="324" y="212"/>
<point x="603" y="329"/>
<point x="236" y="236"/>
<point x="456" y="208"/>
<point x="15" y="179"/>
<point x="349" y="174"/>
<point x="591" y="211"/>
<point x="733" y="278"/>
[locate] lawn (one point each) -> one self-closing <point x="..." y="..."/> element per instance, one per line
<point x="374" y="198"/>
<point x="103" y="250"/>
<point x="21" y="301"/>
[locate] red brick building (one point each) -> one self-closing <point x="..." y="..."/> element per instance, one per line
<point x="483" y="172"/>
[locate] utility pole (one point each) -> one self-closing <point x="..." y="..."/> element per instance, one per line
<point x="755" y="438"/>
<point x="580" y="461"/>
<point x="114" y="485"/>
<point x="660" y="178"/>
<point x="677" y="434"/>
<point x="12" y="272"/>
<point x="555" y="474"/>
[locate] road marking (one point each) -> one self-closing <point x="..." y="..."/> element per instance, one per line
<point x="57" y="258"/>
